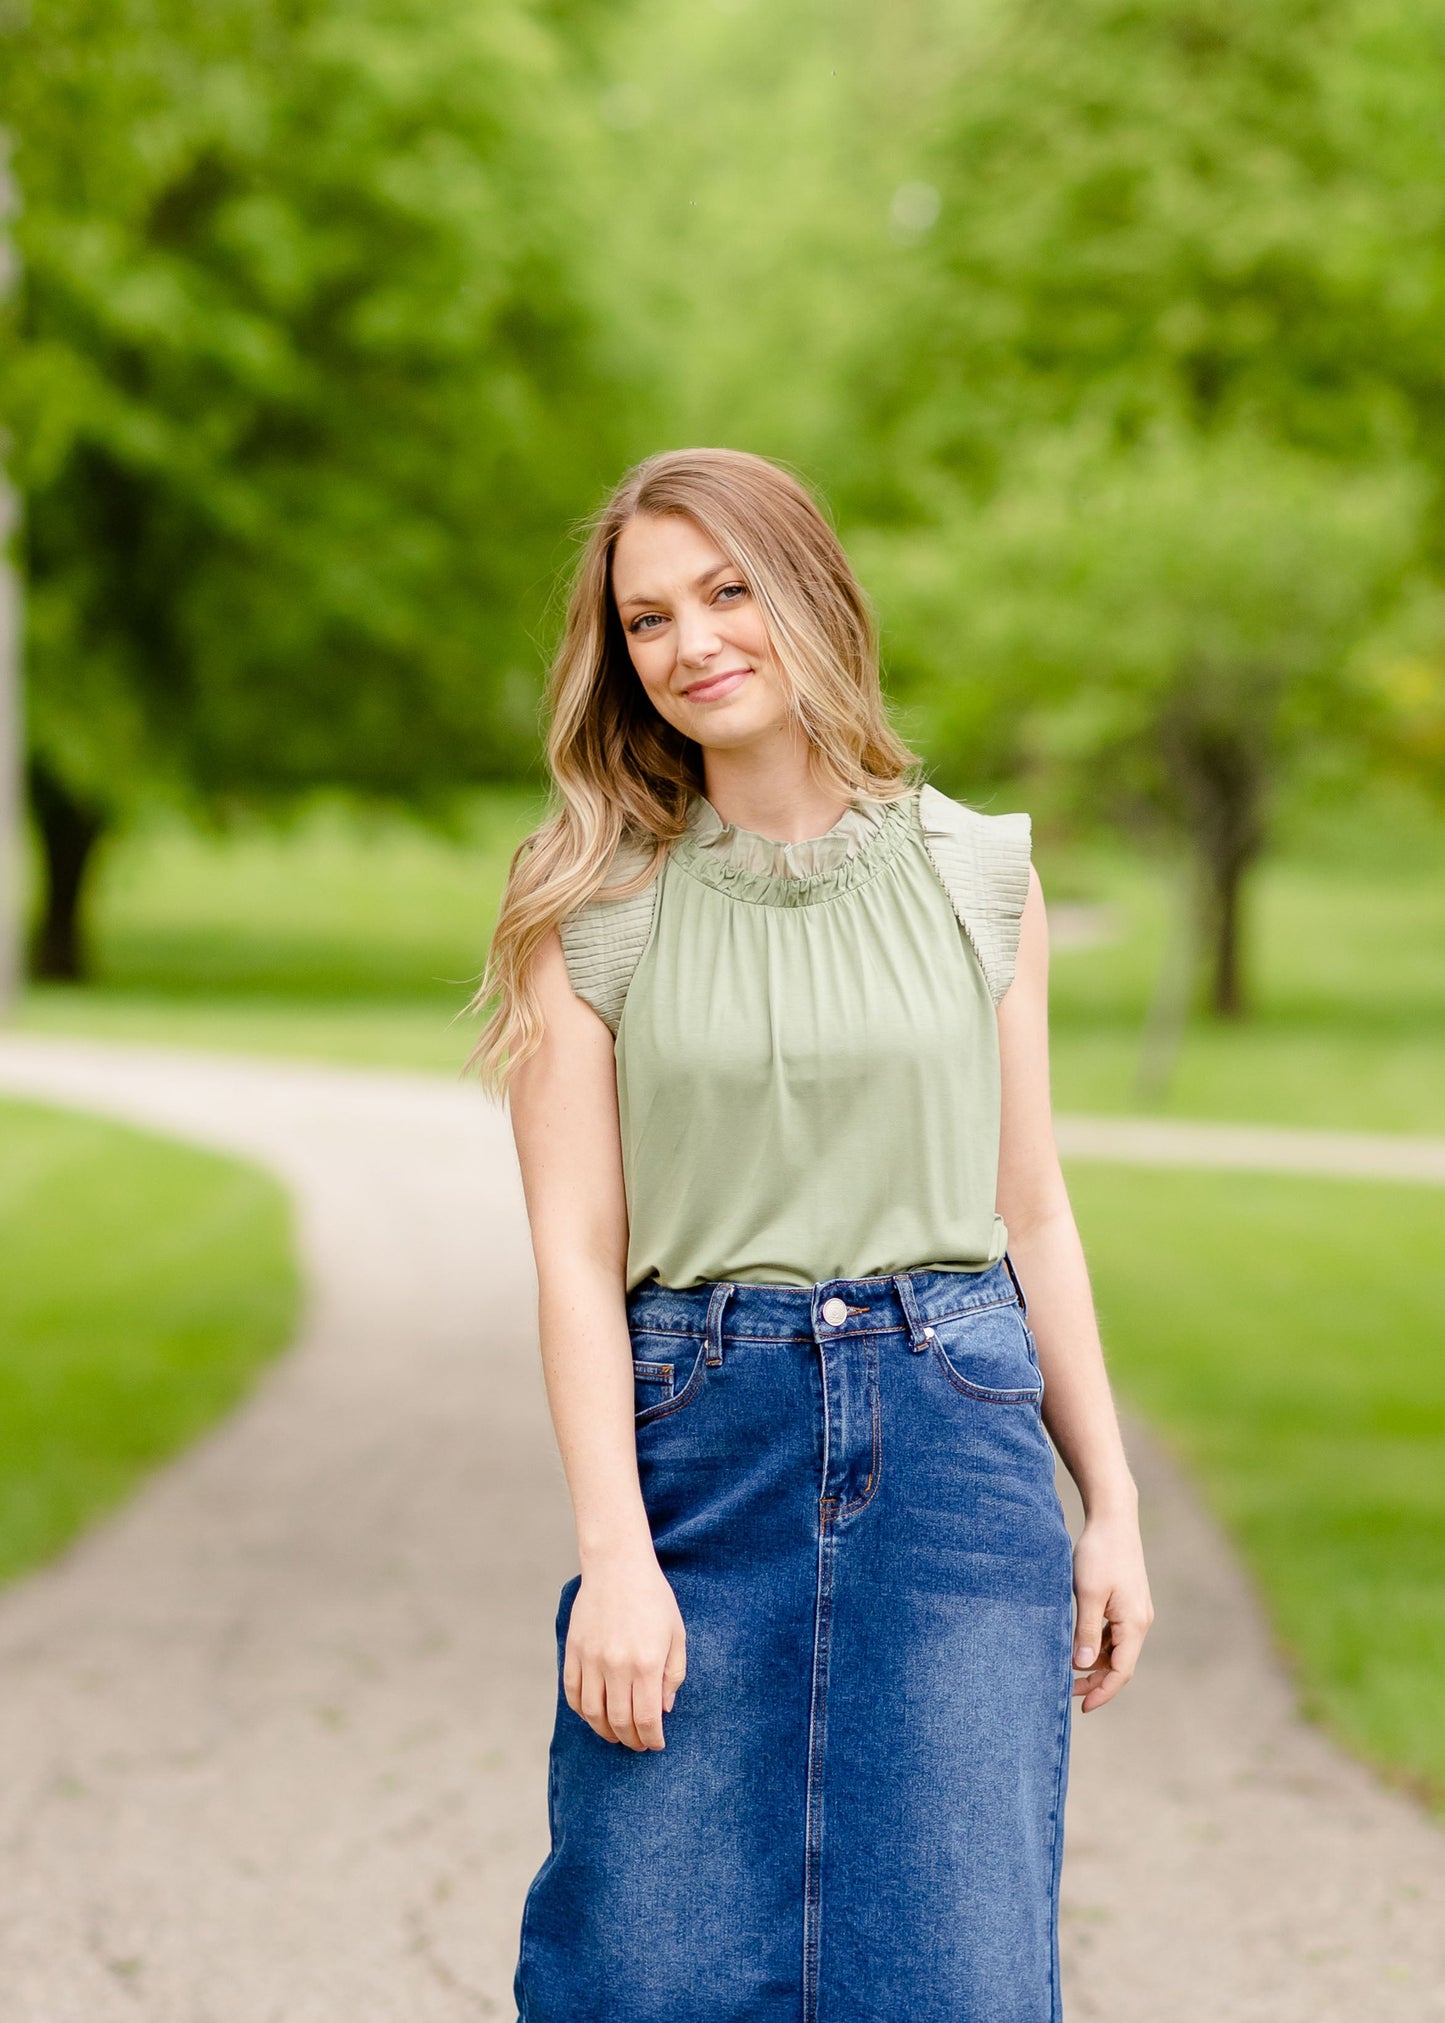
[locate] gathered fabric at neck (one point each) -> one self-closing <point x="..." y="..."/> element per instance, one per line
<point x="760" y="867"/>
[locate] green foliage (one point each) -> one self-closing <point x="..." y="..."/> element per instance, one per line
<point x="1282" y="1334"/>
<point x="742" y="163"/>
<point x="1172" y="632"/>
<point x="188" y="1289"/>
<point x="990" y="268"/>
<point x="301" y="393"/>
<point x="337" y="313"/>
<point x="1202" y="212"/>
<point x="1164" y="412"/>
<point x="1107" y="616"/>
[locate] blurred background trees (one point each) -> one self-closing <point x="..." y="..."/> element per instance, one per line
<point x="301" y="398"/>
<point x="1171" y="350"/>
<point x="1168" y="634"/>
<point x="1111" y="331"/>
<point x="1109" y="328"/>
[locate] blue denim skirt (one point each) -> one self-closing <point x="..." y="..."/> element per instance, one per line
<point x="858" y="1815"/>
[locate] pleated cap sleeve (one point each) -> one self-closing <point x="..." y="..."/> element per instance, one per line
<point x="982" y="862"/>
<point x="603" y="939"/>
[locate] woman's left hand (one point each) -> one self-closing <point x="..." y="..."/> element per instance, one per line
<point x="1113" y="1608"/>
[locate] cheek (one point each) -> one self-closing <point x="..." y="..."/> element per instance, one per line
<point x="750" y="632"/>
<point x="651" y="660"/>
<point x="653" y="669"/>
<point x="771" y="704"/>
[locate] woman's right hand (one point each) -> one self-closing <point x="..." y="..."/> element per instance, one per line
<point x="626" y="1651"/>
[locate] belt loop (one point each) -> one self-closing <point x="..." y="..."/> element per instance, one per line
<point x="720" y="1295"/>
<point x="919" y="1332"/>
<point x="1018" y="1288"/>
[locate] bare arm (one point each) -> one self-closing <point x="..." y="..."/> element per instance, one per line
<point x="625" y="1653"/>
<point x="1110" y="1584"/>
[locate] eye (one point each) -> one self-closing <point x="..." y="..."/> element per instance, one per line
<point x="732" y="591"/>
<point x="646" y="621"/>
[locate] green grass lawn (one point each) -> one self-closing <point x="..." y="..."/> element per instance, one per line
<point x="144" y="1286"/>
<point x="339" y="937"/>
<point x="1348" y="964"/>
<point x="1285" y="1338"/>
<point x="358" y="940"/>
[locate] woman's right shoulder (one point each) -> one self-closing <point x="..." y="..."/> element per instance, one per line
<point x="603" y="939"/>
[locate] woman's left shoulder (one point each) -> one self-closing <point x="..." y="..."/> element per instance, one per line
<point x="984" y="864"/>
<point x="1006" y="834"/>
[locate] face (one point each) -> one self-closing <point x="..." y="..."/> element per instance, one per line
<point x="695" y="634"/>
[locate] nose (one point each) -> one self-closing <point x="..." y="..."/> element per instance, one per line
<point x="697" y="638"/>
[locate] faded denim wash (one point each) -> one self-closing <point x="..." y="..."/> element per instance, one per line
<point x="858" y="1815"/>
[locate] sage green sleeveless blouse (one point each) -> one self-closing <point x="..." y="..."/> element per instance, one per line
<point x="807" y="1044"/>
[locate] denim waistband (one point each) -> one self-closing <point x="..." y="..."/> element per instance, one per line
<point x="784" y="1313"/>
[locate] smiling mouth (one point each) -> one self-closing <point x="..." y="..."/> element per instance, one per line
<point x="715" y="684"/>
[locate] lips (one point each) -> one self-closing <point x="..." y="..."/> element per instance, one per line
<point x="714" y="686"/>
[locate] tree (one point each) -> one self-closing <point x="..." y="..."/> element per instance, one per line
<point x="301" y="397"/>
<point x="1200" y="213"/>
<point x="1176" y="630"/>
<point x="11" y="733"/>
<point x="1183" y="296"/>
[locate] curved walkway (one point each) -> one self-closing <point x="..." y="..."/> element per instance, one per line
<point x="273" y="1737"/>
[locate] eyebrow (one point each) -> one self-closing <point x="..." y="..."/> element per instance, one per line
<point x="626" y="603"/>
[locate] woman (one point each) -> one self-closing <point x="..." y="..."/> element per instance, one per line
<point x="771" y="1016"/>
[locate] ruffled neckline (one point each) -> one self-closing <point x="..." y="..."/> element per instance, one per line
<point x="760" y="868"/>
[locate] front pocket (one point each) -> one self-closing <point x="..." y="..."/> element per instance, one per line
<point x="667" y="1371"/>
<point x="987" y="1353"/>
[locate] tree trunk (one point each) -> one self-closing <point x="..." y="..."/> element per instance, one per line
<point x="1217" y="760"/>
<point x="12" y="800"/>
<point x="1221" y="906"/>
<point x="69" y="830"/>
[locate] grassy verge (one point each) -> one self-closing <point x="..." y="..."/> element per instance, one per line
<point x="358" y="940"/>
<point x="400" y="1034"/>
<point x="1284" y="1335"/>
<point x="144" y="1286"/>
<point x="340" y="936"/>
<point x="1346" y="948"/>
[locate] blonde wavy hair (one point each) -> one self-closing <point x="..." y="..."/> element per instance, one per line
<point x="619" y="770"/>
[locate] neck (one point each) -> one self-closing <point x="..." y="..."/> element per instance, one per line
<point x="772" y="792"/>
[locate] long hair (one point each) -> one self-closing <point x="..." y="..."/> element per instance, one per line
<point x="619" y="769"/>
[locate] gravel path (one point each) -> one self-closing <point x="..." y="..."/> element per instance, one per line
<point x="273" y="1738"/>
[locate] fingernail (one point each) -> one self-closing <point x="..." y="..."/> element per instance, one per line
<point x="1086" y="1655"/>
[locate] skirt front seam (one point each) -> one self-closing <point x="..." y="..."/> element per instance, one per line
<point x="817" y="1754"/>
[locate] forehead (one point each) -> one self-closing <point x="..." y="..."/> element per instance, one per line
<point x="662" y="551"/>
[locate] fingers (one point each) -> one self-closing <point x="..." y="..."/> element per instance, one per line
<point x="621" y="1703"/>
<point x="1089" y="1629"/>
<point x="1091" y="1677"/>
<point x="584" y="1687"/>
<point x="591" y="1702"/>
<point x="675" y="1670"/>
<point x="647" y="1711"/>
<point x="1120" y="1644"/>
<point x="619" y="1708"/>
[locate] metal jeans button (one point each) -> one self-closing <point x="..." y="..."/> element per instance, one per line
<point x="835" y="1312"/>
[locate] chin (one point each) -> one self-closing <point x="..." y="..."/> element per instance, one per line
<point x="727" y="736"/>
